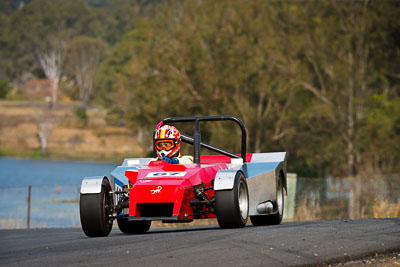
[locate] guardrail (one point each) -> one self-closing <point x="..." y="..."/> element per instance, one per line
<point x="39" y="206"/>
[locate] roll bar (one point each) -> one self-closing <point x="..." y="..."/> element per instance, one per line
<point x="196" y="139"/>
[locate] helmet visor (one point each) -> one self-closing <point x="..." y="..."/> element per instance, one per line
<point x="166" y="144"/>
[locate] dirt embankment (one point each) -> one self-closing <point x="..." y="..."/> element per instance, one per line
<point x="70" y="138"/>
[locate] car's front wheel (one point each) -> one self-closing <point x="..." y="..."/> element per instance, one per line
<point x="95" y="211"/>
<point x="232" y="206"/>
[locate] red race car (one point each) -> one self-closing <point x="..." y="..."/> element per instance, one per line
<point x="227" y="186"/>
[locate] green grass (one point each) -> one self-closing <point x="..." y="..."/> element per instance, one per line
<point x="9" y="152"/>
<point x="37" y="154"/>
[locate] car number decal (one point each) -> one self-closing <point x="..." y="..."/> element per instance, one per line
<point x="165" y="174"/>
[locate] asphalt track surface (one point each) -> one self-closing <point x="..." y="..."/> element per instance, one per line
<point x="290" y="243"/>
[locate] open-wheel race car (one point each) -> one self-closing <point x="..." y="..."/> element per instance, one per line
<point x="226" y="186"/>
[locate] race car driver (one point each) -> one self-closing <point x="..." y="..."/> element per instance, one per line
<point x="167" y="143"/>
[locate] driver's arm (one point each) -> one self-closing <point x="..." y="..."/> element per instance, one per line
<point x="186" y="160"/>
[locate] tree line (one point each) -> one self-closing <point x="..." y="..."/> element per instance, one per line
<point x="318" y="79"/>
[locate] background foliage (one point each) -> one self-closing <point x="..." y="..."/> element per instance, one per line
<point x="318" y="79"/>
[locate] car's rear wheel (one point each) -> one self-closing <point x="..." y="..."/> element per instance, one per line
<point x="259" y="220"/>
<point x="232" y="206"/>
<point x="133" y="227"/>
<point x="95" y="211"/>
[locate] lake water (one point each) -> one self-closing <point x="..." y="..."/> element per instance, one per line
<point x="55" y="186"/>
<point x="24" y="172"/>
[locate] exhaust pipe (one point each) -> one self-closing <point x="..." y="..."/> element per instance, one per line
<point x="265" y="207"/>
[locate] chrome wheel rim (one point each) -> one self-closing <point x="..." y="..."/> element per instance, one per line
<point x="243" y="200"/>
<point x="279" y="197"/>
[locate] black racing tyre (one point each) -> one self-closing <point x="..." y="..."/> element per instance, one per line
<point x="133" y="227"/>
<point x="232" y="206"/>
<point x="94" y="213"/>
<point x="259" y="220"/>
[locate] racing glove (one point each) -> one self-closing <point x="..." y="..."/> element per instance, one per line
<point x="170" y="160"/>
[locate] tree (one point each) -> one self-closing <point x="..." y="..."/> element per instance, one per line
<point x="45" y="121"/>
<point x="213" y="68"/>
<point x="301" y="76"/>
<point x="33" y="41"/>
<point x="83" y="56"/>
<point x="41" y="25"/>
<point x="50" y="61"/>
<point x="338" y="71"/>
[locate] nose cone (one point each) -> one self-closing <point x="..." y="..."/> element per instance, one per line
<point x="167" y="194"/>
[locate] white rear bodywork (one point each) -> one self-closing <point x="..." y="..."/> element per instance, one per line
<point x="261" y="173"/>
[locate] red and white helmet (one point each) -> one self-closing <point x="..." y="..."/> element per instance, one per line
<point x="167" y="141"/>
